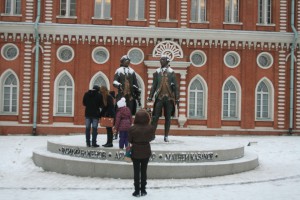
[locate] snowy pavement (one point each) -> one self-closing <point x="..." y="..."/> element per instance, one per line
<point x="276" y="178"/>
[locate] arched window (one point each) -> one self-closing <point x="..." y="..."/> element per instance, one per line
<point x="141" y="85"/>
<point x="9" y="94"/>
<point x="264" y="99"/>
<point x="197" y="99"/>
<point x="64" y="95"/>
<point x="231" y="100"/>
<point x="100" y="81"/>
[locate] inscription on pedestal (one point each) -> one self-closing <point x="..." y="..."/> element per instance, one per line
<point x="116" y="155"/>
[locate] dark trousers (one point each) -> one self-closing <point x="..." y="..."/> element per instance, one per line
<point x="123" y="142"/>
<point x="89" y="121"/>
<point x="140" y="173"/>
<point x="167" y="105"/>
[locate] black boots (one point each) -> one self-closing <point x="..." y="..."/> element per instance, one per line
<point x="95" y="145"/>
<point x="143" y="189"/>
<point x="166" y="139"/>
<point x="136" y="194"/>
<point x="109" y="142"/>
<point x="143" y="193"/>
<point x="88" y="144"/>
<point x="107" y="145"/>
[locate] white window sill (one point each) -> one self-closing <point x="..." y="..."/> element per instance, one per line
<point x="200" y="22"/>
<point x="99" y="18"/>
<point x="66" y="17"/>
<point x="9" y="15"/>
<point x="137" y="20"/>
<point x="233" y="23"/>
<point x="167" y="20"/>
<point x="258" y="24"/>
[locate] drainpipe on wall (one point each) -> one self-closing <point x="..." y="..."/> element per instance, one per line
<point x="36" y="67"/>
<point x="294" y="45"/>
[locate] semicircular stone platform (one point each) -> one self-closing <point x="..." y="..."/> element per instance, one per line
<point x="182" y="157"/>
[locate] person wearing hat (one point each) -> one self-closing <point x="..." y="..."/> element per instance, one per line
<point x="165" y="87"/>
<point x="126" y="83"/>
<point x="123" y="122"/>
<point x="92" y="100"/>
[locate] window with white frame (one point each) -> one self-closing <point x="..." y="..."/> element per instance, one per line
<point x="198" y="58"/>
<point x="65" y="53"/>
<point x="9" y="94"/>
<point x="100" y="55"/>
<point x="263" y="101"/>
<point x="264" y="11"/>
<point x="100" y="81"/>
<point x="230" y="100"/>
<point x="13" y="7"/>
<point x="64" y="96"/>
<point x="198" y="11"/>
<point x="136" y="9"/>
<point x="10" y="52"/>
<point x="102" y="9"/>
<point x="168" y="9"/>
<point x="196" y="99"/>
<point x="264" y="60"/>
<point x="136" y="56"/>
<point x="232" y="59"/>
<point x="231" y="11"/>
<point x="68" y="8"/>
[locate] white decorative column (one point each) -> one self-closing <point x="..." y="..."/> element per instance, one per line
<point x="182" y="98"/>
<point x="48" y="11"/>
<point x="283" y="16"/>
<point x="152" y="13"/>
<point x="281" y="90"/>
<point x="29" y="11"/>
<point x="26" y="85"/>
<point x="297" y="79"/>
<point x="183" y="13"/>
<point x="46" y="83"/>
<point x="45" y="78"/>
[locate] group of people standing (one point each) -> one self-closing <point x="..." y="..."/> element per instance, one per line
<point x="99" y="103"/>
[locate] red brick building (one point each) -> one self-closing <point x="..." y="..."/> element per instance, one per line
<point x="233" y="60"/>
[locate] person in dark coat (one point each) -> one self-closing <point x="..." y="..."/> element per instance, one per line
<point x="92" y="100"/>
<point x="108" y="110"/>
<point x="126" y="83"/>
<point x="140" y="136"/>
<point x="123" y="122"/>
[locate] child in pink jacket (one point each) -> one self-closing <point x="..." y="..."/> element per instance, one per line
<point x="123" y="122"/>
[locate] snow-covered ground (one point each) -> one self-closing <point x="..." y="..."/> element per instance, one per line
<point x="276" y="178"/>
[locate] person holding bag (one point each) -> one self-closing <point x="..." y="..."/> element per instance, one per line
<point x="108" y="110"/>
<point x="140" y="136"/>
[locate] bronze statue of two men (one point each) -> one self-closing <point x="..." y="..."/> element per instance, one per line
<point x="164" y="87"/>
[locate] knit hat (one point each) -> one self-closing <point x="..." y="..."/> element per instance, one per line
<point x="121" y="103"/>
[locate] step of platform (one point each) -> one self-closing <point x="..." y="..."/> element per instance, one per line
<point x="68" y="155"/>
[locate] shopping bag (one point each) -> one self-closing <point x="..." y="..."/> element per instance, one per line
<point x="128" y="152"/>
<point x="107" y="121"/>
